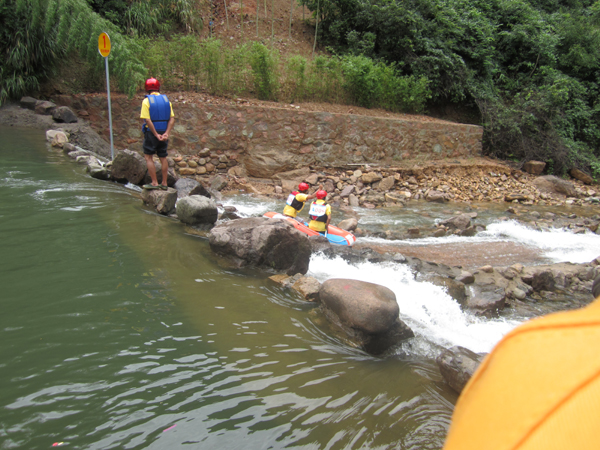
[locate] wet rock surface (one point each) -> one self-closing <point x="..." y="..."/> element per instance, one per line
<point x="457" y="365"/>
<point x="367" y="312"/>
<point x="263" y="243"/>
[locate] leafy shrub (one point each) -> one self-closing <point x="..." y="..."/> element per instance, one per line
<point x="186" y="54"/>
<point x="37" y="33"/>
<point x="325" y="80"/>
<point x="294" y="79"/>
<point x="150" y="17"/>
<point x="264" y="69"/>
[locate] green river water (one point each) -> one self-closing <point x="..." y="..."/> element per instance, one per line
<point x="121" y="331"/>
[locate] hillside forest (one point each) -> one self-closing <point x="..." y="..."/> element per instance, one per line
<point x="530" y="69"/>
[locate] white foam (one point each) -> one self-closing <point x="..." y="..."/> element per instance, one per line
<point x="431" y="313"/>
<point x="559" y="245"/>
<point x="248" y="206"/>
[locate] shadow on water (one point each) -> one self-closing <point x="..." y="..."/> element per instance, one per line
<point x="121" y="331"/>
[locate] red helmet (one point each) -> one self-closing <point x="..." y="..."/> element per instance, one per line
<point x="152" y="84"/>
<point x="302" y="187"/>
<point x="321" y="194"/>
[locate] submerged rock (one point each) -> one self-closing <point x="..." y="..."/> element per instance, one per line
<point x="457" y="365"/>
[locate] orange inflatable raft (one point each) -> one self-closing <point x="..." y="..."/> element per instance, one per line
<point x="334" y="234"/>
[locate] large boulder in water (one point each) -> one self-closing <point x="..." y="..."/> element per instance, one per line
<point x="457" y="365"/>
<point x="366" y="312"/>
<point x="162" y="201"/>
<point x="196" y="210"/>
<point x="262" y="242"/>
<point x="129" y="166"/>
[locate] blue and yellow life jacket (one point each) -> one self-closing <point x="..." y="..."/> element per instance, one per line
<point x="160" y="112"/>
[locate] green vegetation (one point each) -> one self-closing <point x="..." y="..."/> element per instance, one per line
<point x="530" y="67"/>
<point x="37" y="34"/>
<point x="253" y="69"/>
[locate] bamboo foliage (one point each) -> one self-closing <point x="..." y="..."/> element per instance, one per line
<point x="38" y="34"/>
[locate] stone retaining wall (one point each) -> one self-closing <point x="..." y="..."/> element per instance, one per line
<point x="271" y="140"/>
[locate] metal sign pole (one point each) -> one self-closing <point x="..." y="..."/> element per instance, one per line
<point x="104" y="47"/>
<point x="112" y="150"/>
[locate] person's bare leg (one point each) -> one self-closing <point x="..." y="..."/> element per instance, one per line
<point x="165" y="171"/>
<point x="151" y="169"/>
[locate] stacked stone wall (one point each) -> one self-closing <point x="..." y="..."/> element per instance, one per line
<point x="267" y="140"/>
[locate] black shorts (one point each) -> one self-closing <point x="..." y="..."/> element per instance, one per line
<point x="152" y="145"/>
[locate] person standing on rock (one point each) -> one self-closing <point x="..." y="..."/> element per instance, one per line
<point x="158" y="120"/>
<point x="320" y="213"/>
<point x="295" y="201"/>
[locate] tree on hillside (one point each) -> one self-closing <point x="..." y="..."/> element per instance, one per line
<point x="37" y="34"/>
<point x="532" y="67"/>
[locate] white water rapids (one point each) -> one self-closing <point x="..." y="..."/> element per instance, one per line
<point x="432" y="314"/>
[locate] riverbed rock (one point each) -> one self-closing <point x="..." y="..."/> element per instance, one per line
<point x="453" y="288"/>
<point x="366" y="312"/>
<point x="554" y="185"/>
<point x="229" y="213"/>
<point x="218" y="183"/>
<point x="171" y="175"/>
<point x="129" y="166"/>
<point x="543" y="281"/>
<point x="371" y="177"/>
<point x="44" y="108"/>
<point x="534" y="167"/>
<point x="457" y="365"/>
<point x="64" y="114"/>
<point x="347" y="191"/>
<point x="98" y="171"/>
<point x="262" y="242"/>
<point x="200" y="189"/>
<point x="485" y="300"/>
<point x="184" y="186"/>
<point x="466" y="277"/>
<point x="309" y="288"/>
<point x="28" y="103"/>
<point x="348" y="224"/>
<point x="57" y="138"/>
<point x="460" y="222"/>
<point x="436" y="196"/>
<point x="515" y="196"/>
<point x="163" y="202"/>
<point x="87" y="160"/>
<point x="581" y="176"/>
<point x="196" y="210"/>
<point x="320" y="244"/>
<point x="386" y="184"/>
